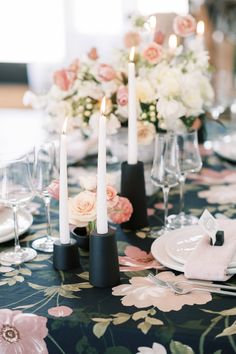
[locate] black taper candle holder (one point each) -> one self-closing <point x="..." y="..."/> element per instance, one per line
<point x="65" y="256"/>
<point x="103" y="260"/>
<point x="133" y="188"/>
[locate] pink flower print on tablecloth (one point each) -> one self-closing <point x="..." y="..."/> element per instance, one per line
<point x="142" y="292"/>
<point x="60" y="311"/>
<point x="22" y="333"/>
<point x="156" y="349"/>
<point x="208" y="176"/>
<point x="136" y="259"/>
<point x="220" y="194"/>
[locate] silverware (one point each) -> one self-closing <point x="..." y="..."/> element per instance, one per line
<point x="213" y="288"/>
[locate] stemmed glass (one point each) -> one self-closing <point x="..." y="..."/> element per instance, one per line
<point x="189" y="161"/>
<point x="15" y="191"/>
<point x="45" y="170"/>
<point x="165" y="170"/>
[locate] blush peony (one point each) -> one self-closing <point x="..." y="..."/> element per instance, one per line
<point x="184" y="25"/>
<point x="121" y="212"/>
<point x="64" y="79"/>
<point x="153" y="53"/>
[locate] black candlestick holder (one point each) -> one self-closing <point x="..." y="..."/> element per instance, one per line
<point x="103" y="260"/>
<point x="133" y="188"/>
<point x="65" y="256"/>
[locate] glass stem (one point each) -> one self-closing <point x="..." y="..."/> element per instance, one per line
<point x="181" y="192"/>
<point x="16" y="228"/>
<point x="165" y="196"/>
<point x="47" y="201"/>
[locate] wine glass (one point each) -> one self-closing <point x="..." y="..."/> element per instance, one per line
<point x="15" y="190"/>
<point x="165" y="170"/>
<point x="45" y="170"/>
<point x="189" y="161"/>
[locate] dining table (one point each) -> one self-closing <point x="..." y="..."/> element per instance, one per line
<point x="45" y="310"/>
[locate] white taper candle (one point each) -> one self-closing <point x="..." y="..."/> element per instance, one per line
<point x="102" y="224"/>
<point x="132" y="120"/>
<point x="63" y="200"/>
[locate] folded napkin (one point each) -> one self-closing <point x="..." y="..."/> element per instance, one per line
<point x="208" y="262"/>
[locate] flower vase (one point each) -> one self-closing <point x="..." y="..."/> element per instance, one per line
<point x="81" y="236"/>
<point x="119" y="147"/>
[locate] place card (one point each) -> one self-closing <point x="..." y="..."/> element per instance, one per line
<point x="209" y="224"/>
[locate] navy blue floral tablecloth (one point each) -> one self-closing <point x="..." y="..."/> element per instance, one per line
<point x="47" y="311"/>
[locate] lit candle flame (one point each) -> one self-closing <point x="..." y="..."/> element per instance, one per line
<point x="103" y="106"/>
<point x="132" y="54"/>
<point x="64" y="127"/>
<point x="173" y="42"/>
<point x="200" y="28"/>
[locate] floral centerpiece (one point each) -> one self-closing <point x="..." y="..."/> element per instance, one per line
<point x="173" y="84"/>
<point x="82" y="207"/>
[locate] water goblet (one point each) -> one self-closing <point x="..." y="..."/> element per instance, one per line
<point x="45" y="170"/>
<point x="16" y="190"/>
<point x="165" y="170"/>
<point x="190" y="161"/>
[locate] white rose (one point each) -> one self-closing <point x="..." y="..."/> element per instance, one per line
<point x="170" y="85"/>
<point x="170" y="111"/>
<point x="82" y="208"/>
<point x="207" y="91"/>
<point x="113" y="124"/>
<point x="144" y="90"/>
<point x="146" y="132"/>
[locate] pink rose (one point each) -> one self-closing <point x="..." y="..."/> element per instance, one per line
<point x="159" y="37"/>
<point x="60" y="311"/>
<point x="82" y="208"/>
<point x="132" y="39"/>
<point x="22" y="332"/>
<point x="184" y="25"/>
<point x="121" y="212"/>
<point x="93" y="54"/>
<point x="122" y="96"/>
<point x="106" y="72"/>
<point x="152" y="53"/>
<point x="64" y="79"/>
<point x="112" y="197"/>
<point x="74" y="66"/>
<point x="53" y="189"/>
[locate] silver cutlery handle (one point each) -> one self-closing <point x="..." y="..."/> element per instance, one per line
<point x="221" y="292"/>
<point x="209" y="285"/>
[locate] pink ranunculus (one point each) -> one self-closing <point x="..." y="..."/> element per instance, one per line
<point x="159" y="37"/>
<point x="132" y="39"/>
<point x="64" y="79"/>
<point x="54" y="188"/>
<point x="184" y="26"/>
<point x="121" y="212"/>
<point x="82" y="208"/>
<point x="22" y="332"/>
<point x="60" y="311"/>
<point x="112" y="197"/>
<point x="106" y="72"/>
<point x="93" y="54"/>
<point x="74" y="66"/>
<point x="122" y="96"/>
<point x="152" y="53"/>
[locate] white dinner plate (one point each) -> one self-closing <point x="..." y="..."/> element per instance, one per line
<point x="158" y="250"/>
<point x="182" y="242"/>
<point x="25" y="220"/>
<point x="226" y="147"/>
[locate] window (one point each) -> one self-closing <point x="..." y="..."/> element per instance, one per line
<point x="32" y="31"/>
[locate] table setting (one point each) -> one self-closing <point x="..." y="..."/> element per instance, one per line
<point x="157" y="272"/>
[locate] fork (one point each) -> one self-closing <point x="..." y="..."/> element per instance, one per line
<point x="181" y="291"/>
